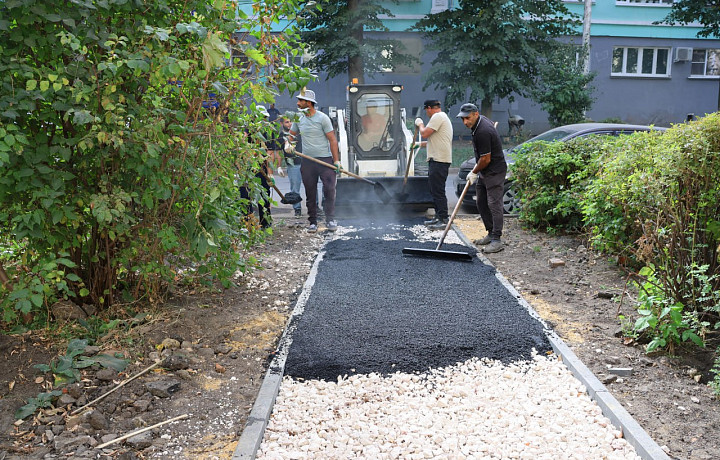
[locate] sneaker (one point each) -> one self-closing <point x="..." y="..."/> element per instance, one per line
<point x="439" y="225"/>
<point x="432" y="221"/>
<point x="483" y="241"/>
<point x="298" y="213"/>
<point x="494" y="246"/>
<point x="312" y="228"/>
<point x="332" y="226"/>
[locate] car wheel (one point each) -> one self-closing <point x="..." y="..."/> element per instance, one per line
<point x="511" y="204"/>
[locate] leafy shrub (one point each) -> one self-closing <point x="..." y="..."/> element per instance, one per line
<point x="663" y="320"/>
<point x="551" y="178"/>
<point x="123" y="139"/>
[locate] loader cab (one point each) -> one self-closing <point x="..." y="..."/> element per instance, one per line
<point x="375" y="122"/>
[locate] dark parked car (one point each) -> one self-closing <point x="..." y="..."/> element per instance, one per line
<point x="561" y="133"/>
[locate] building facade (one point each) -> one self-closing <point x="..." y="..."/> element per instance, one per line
<point x="645" y="73"/>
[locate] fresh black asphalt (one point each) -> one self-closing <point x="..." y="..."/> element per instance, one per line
<point x="373" y="309"/>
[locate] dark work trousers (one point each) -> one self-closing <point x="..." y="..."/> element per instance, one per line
<point x="437" y="176"/>
<point x="263" y="204"/>
<point x="311" y="172"/>
<point x="489" y="200"/>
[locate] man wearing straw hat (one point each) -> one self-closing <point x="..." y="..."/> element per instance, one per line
<point x="318" y="141"/>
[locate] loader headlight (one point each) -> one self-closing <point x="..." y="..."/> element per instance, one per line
<point x="397" y="88"/>
<point x="354" y="89"/>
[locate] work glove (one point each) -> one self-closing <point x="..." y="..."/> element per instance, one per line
<point x="472" y="177"/>
<point x="288" y="147"/>
<point x="414" y="147"/>
<point x="418" y="122"/>
<point x="338" y="167"/>
<point x="280" y="172"/>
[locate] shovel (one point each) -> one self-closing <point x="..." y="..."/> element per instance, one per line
<point x="437" y="253"/>
<point x="403" y="195"/>
<point x="379" y="189"/>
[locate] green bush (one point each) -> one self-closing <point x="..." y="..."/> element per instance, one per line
<point x="656" y="198"/>
<point x="550" y="179"/>
<point x="115" y="175"/>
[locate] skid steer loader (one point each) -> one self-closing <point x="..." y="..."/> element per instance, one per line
<point x="374" y="142"/>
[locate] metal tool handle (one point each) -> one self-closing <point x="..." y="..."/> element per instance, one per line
<point x="411" y="153"/>
<point x="302" y="155"/>
<point x="452" y="217"/>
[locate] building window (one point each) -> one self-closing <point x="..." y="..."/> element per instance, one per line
<point x="644" y="2"/>
<point x="640" y="62"/>
<point x="705" y="63"/>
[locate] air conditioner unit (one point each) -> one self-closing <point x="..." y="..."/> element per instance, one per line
<point x="682" y="54"/>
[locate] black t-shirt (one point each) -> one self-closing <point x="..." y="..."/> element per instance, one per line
<point x="485" y="138"/>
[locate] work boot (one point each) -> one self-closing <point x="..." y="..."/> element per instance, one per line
<point x="494" y="246"/>
<point x="439" y="225"/>
<point x="483" y="241"/>
<point x="432" y="221"/>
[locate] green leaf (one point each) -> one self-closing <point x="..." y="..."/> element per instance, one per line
<point x="30" y="85"/>
<point x="256" y="56"/>
<point x="44" y="85"/>
<point x="37" y="299"/>
<point x="111" y="362"/>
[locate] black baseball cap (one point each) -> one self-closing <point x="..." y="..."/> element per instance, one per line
<point x="430" y="103"/>
<point x="466" y="110"/>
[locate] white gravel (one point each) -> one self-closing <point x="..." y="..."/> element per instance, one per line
<point x="480" y="409"/>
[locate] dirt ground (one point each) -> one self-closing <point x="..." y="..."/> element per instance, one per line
<point x="215" y="348"/>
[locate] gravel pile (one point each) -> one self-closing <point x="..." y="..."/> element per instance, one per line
<point x="477" y="409"/>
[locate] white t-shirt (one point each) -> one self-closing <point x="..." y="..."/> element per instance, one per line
<point x="439" y="144"/>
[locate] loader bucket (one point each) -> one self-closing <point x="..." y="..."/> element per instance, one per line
<point x="353" y="192"/>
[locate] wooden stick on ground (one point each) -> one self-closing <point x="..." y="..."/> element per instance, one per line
<point x="114" y="389"/>
<point x="143" y="430"/>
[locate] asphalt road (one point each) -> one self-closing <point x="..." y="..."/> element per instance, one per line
<point x="373" y="309"/>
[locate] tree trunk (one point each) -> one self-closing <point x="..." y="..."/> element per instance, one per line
<point x="355" y="63"/>
<point x="486" y="107"/>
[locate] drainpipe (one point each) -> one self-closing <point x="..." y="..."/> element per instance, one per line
<point x="586" y="35"/>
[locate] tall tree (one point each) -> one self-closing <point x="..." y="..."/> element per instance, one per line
<point x="706" y="12"/>
<point x="493" y="48"/>
<point x="337" y="32"/>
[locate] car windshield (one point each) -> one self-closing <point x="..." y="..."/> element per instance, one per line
<point x="552" y="135"/>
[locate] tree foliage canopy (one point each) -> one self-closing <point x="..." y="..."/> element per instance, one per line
<point x="337" y="33"/>
<point x="123" y="139"/>
<point x="493" y="48"/>
<point x="706" y="12"/>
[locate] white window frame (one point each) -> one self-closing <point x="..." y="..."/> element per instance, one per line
<point x="641" y="51"/>
<point x="704" y="62"/>
<point x="665" y="3"/>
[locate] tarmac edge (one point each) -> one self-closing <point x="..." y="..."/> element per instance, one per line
<point x="644" y="445"/>
<point x="254" y="431"/>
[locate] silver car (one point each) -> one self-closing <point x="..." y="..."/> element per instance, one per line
<point x="511" y="204"/>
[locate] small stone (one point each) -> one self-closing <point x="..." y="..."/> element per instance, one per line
<point x="108" y="437"/>
<point x="175" y="362"/>
<point x="605" y="295"/>
<point x="170" y="344"/>
<point x="140" y="441"/>
<point x="49" y="435"/>
<point x="74" y="390"/>
<point x="555" y="262"/>
<point x="142" y="405"/>
<point x="695" y="400"/>
<point x="106" y="375"/>
<point x="97" y="420"/>
<point x="206" y="352"/>
<point x="66" y="399"/>
<point x="163" y="388"/>
<point x="609" y="379"/>
<point x="621" y="371"/>
<point x="219" y="368"/>
<point x="186" y="344"/>
<point x="223" y="349"/>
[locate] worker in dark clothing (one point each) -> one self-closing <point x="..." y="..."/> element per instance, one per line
<point x="265" y="175"/>
<point x="489" y="172"/>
